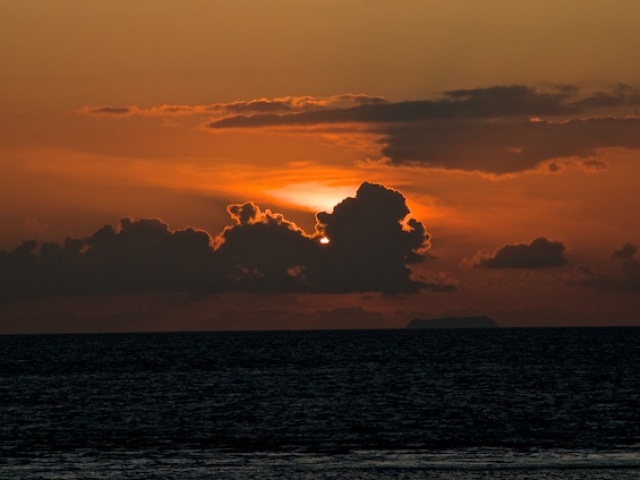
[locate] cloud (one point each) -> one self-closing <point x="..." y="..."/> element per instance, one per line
<point x="540" y="253"/>
<point x="621" y="95"/>
<point x="502" y="148"/>
<point x="500" y="101"/>
<point x="260" y="106"/>
<point x="137" y="256"/>
<point x="372" y="242"/>
<point x="440" y="282"/>
<point x="496" y="102"/>
<point x="294" y="104"/>
<point x="144" y="255"/>
<point x="627" y="279"/>
<point x="502" y="129"/>
<point x="497" y="130"/>
<point x="492" y="102"/>
<point x="110" y="111"/>
<point x="264" y="252"/>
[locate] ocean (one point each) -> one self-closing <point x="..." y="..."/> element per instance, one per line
<point x="386" y="404"/>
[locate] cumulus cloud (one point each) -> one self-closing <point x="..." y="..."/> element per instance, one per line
<point x="264" y="252"/>
<point x="539" y="253"/>
<point x="627" y="278"/>
<point x="372" y="241"/>
<point x="145" y="255"/>
<point x="136" y="256"/>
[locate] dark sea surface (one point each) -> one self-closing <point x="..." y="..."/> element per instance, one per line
<point x="407" y="404"/>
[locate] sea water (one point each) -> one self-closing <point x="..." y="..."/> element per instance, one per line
<point x="409" y="404"/>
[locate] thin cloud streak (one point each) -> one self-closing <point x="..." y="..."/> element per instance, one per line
<point x="512" y="101"/>
<point x="260" y="106"/>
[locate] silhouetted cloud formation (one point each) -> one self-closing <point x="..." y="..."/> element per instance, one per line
<point x="372" y="241"/>
<point x="507" y="147"/>
<point x="503" y="129"/>
<point x="370" y="244"/>
<point x="137" y="256"/>
<point x="628" y="278"/>
<point x="499" y="101"/>
<point x="498" y="130"/>
<point x="145" y="255"/>
<point x="540" y="253"/>
<point x="264" y="252"/>
<point x="509" y="101"/>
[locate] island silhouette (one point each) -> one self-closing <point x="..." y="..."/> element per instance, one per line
<point x="454" y="322"/>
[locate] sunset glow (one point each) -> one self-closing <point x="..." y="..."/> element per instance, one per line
<point x="313" y="196"/>
<point x="484" y="159"/>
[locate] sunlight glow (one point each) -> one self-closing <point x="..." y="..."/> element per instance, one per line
<point x="324" y="240"/>
<point x="313" y="195"/>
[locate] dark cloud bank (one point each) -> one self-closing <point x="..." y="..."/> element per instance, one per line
<point x="372" y="241"/>
<point x="539" y="253"/>
<point x="544" y="253"/>
<point x="496" y="130"/>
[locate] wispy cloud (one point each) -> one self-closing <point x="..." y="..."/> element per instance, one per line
<point x="497" y="102"/>
<point x="260" y="106"/>
<point x="497" y="130"/>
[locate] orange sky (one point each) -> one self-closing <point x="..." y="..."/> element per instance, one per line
<point x="499" y="122"/>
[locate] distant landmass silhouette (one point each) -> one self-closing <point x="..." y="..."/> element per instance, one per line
<point x="454" y="322"/>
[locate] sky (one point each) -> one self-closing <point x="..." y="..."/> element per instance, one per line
<point x="242" y="165"/>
